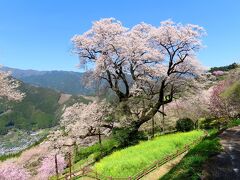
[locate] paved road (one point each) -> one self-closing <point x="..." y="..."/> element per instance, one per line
<point x="226" y="165"/>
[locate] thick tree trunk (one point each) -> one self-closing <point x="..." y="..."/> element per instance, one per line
<point x="151" y="113"/>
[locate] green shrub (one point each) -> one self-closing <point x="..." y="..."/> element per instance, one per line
<point x="126" y="137"/>
<point x="224" y="68"/>
<point x="234" y="122"/>
<point x="96" y="150"/>
<point x="211" y="123"/>
<point x="185" y="125"/>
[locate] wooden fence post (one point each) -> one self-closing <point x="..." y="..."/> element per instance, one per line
<point x="70" y="165"/>
<point x="56" y="166"/>
<point x="96" y="174"/>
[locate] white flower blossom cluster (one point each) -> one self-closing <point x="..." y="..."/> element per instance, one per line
<point x="79" y="125"/>
<point x="143" y="52"/>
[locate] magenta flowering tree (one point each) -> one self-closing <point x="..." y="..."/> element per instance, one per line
<point x="220" y="106"/>
<point x="48" y="166"/>
<point x="11" y="171"/>
<point x="218" y="73"/>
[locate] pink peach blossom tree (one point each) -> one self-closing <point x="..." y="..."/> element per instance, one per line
<point x="224" y="100"/>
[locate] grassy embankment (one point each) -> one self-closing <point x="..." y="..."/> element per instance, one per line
<point x="129" y="161"/>
<point x="91" y="154"/>
<point x="191" y="165"/>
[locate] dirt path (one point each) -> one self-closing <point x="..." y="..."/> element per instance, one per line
<point x="162" y="170"/>
<point x="226" y="165"/>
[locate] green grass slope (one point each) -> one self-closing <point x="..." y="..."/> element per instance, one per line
<point x="190" y="166"/>
<point x="129" y="161"/>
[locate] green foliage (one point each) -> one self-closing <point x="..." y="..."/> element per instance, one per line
<point x="38" y="110"/>
<point x="3" y="129"/>
<point x="224" y="68"/>
<point x="232" y="95"/>
<point x="126" y="137"/>
<point x="5" y="157"/>
<point x="191" y="165"/>
<point x="232" y="91"/>
<point x="234" y="122"/>
<point x="184" y="125"/>
<point x="129" y="161"/>
<point x="212" y="123"/>
<point x="75" y="99"/>
<point x="97" y="151"/>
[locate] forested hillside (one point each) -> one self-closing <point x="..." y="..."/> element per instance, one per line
<point x="39" y="109"/>
<point x="224" y="68"/>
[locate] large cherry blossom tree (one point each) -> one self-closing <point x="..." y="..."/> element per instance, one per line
<point x="82" y="124"/>
<point x="145" y="65"/>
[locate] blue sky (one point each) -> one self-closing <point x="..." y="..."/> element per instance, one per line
<point x="35" y="34"/>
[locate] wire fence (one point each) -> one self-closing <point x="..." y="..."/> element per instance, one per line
<point x="88" y="172"/>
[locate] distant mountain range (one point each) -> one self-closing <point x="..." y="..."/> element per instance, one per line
<point x="63" y="81"/>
